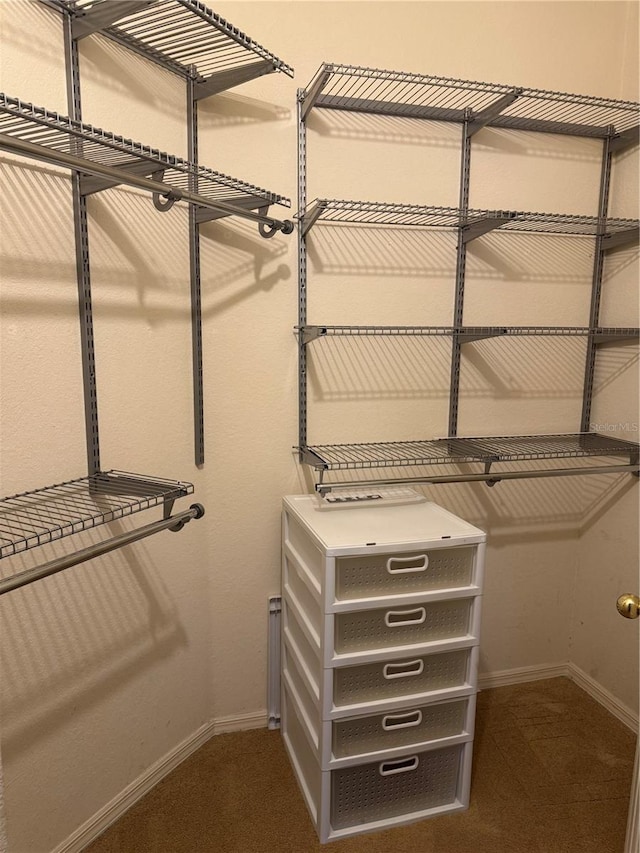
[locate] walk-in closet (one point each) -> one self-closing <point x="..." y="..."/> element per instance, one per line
<point x="319" y="443"/>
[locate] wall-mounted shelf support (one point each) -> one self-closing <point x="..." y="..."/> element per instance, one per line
<point x="90" y="184"/>
<point x="307" y="98"/>
<point x="223" y="80"/>
<point x="204" y="214"/>
<point x="473" y="230"/>
<point x="627" y="139"/>
<point x="488" y="114"/>
<point x="310" y="217"/>
<point x="83" y="267"/>
<point x="620" y="239"/>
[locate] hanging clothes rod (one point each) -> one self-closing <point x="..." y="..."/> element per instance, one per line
<point x="489" y="478"/>
<point x="159" y="189"/>
<point x="173" y="522"/>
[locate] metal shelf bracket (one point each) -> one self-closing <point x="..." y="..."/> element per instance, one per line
<point x="223" y="80"/>
<point x="620" y="239"/>
<point x="482" y="119"/>
<point x="626" y="139"/>
<point x="310" y="96"/>
<point x="311" y="333"/>
<point x="310" y="217"/>
<point x="472" y="230"/>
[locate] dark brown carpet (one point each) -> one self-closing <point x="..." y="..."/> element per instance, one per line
<point x="552" y="774"/>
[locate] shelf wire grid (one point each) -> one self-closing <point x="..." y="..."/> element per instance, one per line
<point x="357" y="88"/>
<point x="446" y="451"/>
<point x="34" y="518"/>
<point x="490" y="331"/>
<point x="55" y="132"/>
<point x="347" y="211"/>
<point x="184" y="36"/>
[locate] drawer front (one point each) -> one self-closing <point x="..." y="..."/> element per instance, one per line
<point x="397" y="728"/>
<point x="386" y="627"/>
<point x="420" y="674"/>
<point x="376" y="575"/>
<point x="377" y="791"/>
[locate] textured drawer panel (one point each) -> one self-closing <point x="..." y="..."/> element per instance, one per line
<point x="377" y="791"/>
<point x="401" y="727"/>
<point x="386" y="627"/>
<point x="387" y="574"/>
<point x="419" y="674"/>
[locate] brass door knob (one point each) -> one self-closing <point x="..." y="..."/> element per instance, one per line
<point x="629" y="605"/>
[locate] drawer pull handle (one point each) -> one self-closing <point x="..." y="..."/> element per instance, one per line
<point x="398" y="618"/>
<point x="405" y="565"/>
<point x="402" y="721"/>
<point x="404" y="765"/>
<point x="401" y="670"/>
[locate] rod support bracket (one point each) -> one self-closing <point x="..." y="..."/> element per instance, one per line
<point x="164" y="201"/>
<point x="268" y="230"/>
<point x="198" y="512"/>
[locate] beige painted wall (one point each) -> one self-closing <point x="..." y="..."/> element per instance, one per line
<point x="108" y="667"/>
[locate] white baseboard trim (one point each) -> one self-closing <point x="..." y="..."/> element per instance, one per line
<point x="523" y="674"/>
<point x="520" y="675"/>
<point x="101" y="820"/>
<point x="604" y="697"/>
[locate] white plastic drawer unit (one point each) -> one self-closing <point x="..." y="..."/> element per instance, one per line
<point x="380" y="643"/>
<point x="351" y="557"/>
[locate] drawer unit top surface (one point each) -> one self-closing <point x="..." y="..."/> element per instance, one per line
<point x="379" y="526"/>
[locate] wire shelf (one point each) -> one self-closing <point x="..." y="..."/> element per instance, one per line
<point x="311" y="332"/>
<point x="184" y="36"/>
<point x="446" y="451"/>
<point x="351" y="87"/>
<point x="34" y="518"/>
<point x="474" y="222"/>
<point x="52" y="132"/>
